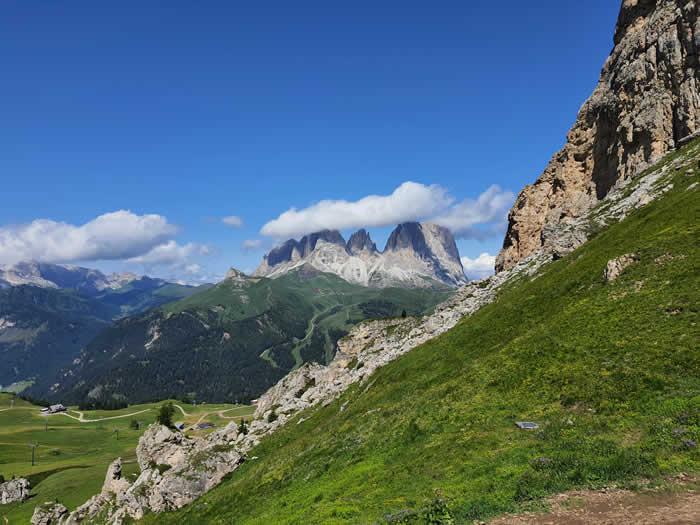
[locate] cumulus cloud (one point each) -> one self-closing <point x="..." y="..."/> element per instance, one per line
<point x="478" y="218"/>
<point x="250" y="245"/>
<point x="170" y="253"/>
<point x="468" y="219"/>
<point x="480" y="267"/>
<point x="233" y="221"/>
<point x="409" y="202"/>
<point x="193" y="269"/>
<point x="113" y="236"/>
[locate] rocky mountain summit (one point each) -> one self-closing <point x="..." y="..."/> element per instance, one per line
<point x="646" y="102"/>
<point x="416" y="255"/>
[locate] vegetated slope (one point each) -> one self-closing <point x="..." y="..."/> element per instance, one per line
<point x="609" y="369"/>
<point x="144" y="294"/>
<point x="232" y="341"/>
<point x="42" y="328"/>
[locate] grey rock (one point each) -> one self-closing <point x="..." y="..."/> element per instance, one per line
<point x="48" y="514"/>
<point x="361" y="243"/>
<point x="616" y="266"/>
<point x="14" y="490"/>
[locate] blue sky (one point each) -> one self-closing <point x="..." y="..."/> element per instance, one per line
<point x="184" y="113"/>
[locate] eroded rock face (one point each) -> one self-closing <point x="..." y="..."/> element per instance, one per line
<point x="646" y="102"/>
<point x="14" y="490"/>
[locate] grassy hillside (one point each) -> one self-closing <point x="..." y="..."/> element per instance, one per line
<point x="609" y="370"/>
<point x="232" y="341"/>
<point x="72" y="457"/>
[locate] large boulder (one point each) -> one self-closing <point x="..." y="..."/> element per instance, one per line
<point x="14" y="490"/>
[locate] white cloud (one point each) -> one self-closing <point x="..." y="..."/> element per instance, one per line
<point x="409" y="202"/>
<point x="113" y="236"/>
<point x="480" y="267"/>
<point x="467" y="219"/>
<point x="250" y="245"/>
<point x="169" y="253"/>
<point x="193" y="269"/>
<point x="483" y="217"/>
<point x="233" y="221"/>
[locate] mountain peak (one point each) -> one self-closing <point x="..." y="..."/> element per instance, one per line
<point x="361" y="242"/>
<point x="416" y="255"/>
<point x="232" y="273"/>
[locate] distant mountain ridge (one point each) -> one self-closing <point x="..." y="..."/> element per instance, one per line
<point x="416" y="254"/>
<point x="46" y="275"/>
<point x="49" y="311"/>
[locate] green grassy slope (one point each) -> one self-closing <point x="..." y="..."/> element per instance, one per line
<point x="72" y="457"/>
<point x="610" y="370"/>
<point x="231" y="341"/>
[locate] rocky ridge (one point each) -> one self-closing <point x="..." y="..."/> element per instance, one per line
<point x="46" y="275"/>
<point x="176" y="469"/>
<point x="416" y="255"/>
<point x="646" y="102"/>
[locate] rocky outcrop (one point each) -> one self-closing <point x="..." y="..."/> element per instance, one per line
<point x="49" y="514"/>
<point x="416" y="255"/>
<point x="616" y="266"/>
<point x="14" y="490"/>
<point x="646" y="102"/>
<point x="175" y="470"/>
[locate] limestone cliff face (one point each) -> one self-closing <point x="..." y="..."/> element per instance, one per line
<point x="647" y="100"/>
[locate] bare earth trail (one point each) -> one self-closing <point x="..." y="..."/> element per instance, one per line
<point x="219" y="413"/>
<point x="615" y="507"/>
<point x="82" y="419"/>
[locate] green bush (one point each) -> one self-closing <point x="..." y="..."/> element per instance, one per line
<point x="165" y="415"/>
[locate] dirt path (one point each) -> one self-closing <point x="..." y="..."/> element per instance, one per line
<point x="182" y="410"/>
<point x="82" y="419"/>
<point x="678" y="506"/>
<point x="219" y="413"/>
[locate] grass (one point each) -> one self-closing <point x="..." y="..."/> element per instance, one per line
<point x="610" y="371"/>
<point x="72" y="457"/>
